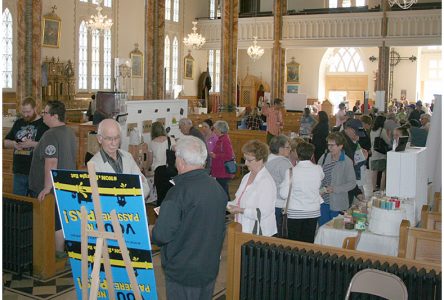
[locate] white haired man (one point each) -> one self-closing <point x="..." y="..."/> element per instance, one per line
<point x="111" y="159"/>
<point x="190" y="228"/>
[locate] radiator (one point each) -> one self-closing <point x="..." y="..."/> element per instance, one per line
<point x="273" y="272"/>
<point x="17" y="236"/>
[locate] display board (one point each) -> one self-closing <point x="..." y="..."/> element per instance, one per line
<point x="123" y="193"/>
<point x="295" y="102"/>
<point x="141" y="114"/>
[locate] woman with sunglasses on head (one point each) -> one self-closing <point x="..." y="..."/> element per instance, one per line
<point x="254" y="206"/>
<point x="339" y="178"/>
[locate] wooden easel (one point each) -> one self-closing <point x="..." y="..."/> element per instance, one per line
<point x="102" y="247"/>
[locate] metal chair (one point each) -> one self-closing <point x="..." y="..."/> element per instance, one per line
<point x="379" y="283"/>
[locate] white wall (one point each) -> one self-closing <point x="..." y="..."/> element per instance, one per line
<point x="405" y="74"/>
<point x="260" y="68"/>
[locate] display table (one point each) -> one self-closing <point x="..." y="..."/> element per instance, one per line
<point x="369" y="242"/>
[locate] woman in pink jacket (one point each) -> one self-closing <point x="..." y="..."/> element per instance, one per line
<point x="222" y="152"/>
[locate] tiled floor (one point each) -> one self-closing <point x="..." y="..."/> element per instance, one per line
<point x="44" y="291"/>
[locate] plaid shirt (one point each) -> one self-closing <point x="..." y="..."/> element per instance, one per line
<point x="254" y="122"/>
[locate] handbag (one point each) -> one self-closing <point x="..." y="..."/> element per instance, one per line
<point x="231" y="166"/>
<point x="284" y="229"/>
<point x="380" y="145"/>
<point x="257" y="224"/>
<point x="170" y="160"/>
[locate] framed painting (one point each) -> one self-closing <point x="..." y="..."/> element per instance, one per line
<point x="293" y="72"/>
<point x="51" y="32"/>
<point x="136" y="65"/>
<point x="188" y="67"/>
<point x="292" y="89"/>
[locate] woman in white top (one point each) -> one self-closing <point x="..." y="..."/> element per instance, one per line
<point x="378" y="161"/>
<point x="256" y="197"/>
<point x="159" y="145"/>
<point x="304" y="206"/>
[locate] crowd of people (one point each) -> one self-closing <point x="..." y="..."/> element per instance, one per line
<point x="312" y="178"/>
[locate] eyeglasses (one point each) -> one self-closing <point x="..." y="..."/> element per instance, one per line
<point x="249" y="160"/>
<point x="45" y="112"/>
<point x="111" y="138"/>
<point x="331" y="145"/>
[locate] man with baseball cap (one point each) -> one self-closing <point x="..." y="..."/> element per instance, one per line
<point x="353" y="130"/>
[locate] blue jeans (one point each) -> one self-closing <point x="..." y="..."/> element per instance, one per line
<point x="20" y="185"/>
<point x="278" y="213"/>
<point x="326" y="214"/>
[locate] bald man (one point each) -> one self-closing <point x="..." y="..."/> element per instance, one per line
<point x="111" y="159"/>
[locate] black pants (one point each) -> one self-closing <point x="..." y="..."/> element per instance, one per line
<point x="162" y="183"/>
<point x="302" y="229"/>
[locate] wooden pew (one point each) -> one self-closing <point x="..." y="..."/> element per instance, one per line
<point x="229" y="117"/>
<point x="419" y="244"/>
<point x="45" y="264"/>
<point x="429" y="219"/>
<point x="236" y="238"/>
<point x="240" y="137"/>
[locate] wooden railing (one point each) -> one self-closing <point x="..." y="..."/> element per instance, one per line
<point x="236" y="239"/>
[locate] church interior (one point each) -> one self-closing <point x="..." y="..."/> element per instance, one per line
<point x="163" y="60"/>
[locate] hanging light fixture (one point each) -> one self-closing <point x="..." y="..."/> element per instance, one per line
<point x="255" y="51"/>
<point x="404" y="4"/>
<point x="99" y="22"/>
<point x="194" y="39"/>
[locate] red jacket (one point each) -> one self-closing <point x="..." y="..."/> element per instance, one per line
<point x="223" y="151"/>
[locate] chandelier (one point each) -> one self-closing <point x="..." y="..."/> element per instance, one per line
<point x="99" y="22"/>
<point x="404" y="4"/>
<point x="254" y="51"/>
<point x="194" y="39"/>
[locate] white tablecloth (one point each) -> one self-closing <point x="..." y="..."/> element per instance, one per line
<point x="369" y="242"/>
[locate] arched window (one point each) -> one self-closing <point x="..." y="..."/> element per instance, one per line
<point x="167" y="63"/>
<point x="167" y="9"/>
<point x="176" y="11"/>
<point x="83" y="56"/>
<point x="346" y="60"/>
<point x="7" y="49"/>
<point x="95" y="52"/>
<point x="212" y="9"/>
<point x="214" y="69"/>
<point x="175" y="61"/>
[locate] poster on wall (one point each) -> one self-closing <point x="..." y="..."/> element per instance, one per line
<point x="123" y="193"/>
<point x="292" y="88"/>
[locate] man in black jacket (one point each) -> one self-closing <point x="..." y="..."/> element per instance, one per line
<point x="191" y="226"/>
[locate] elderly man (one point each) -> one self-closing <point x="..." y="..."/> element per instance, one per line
<point x="111" y="159"/>
<point x="191" y="226"/>
<point x="23" y="138"/>
<point x="57" y="149"/>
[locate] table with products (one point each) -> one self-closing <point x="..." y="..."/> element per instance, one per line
<point x="369" y="242"/>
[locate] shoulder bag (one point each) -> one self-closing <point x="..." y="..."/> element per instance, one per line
<point x="284" y="228"/>
<point x="380" y="145"/>
<point x="257" y="224"/>
<point x="170" y="160"/>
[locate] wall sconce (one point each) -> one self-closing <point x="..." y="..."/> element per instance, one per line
<point x="373" y="58"/>
<point x="412" y="58"/>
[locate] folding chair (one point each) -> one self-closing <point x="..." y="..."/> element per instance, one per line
<point x="378" y="283"/>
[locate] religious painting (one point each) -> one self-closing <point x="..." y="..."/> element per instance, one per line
<point x="293" y="72"/>
<point x="51" y="32"/>
<point x="188" y="67"/>
<point x="136" y="65"/>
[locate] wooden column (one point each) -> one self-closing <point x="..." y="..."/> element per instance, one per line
<point x="29" y="37"/>
<point x="278" y="58"/>
<point x="230" y="13"/>
<point x="154" y="49"/>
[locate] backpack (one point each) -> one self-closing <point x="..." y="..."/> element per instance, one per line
<point x="170" y="160"/>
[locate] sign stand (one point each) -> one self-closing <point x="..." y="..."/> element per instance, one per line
<point x="101" y="250"/>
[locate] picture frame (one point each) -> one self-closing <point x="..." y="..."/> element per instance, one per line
<point x="292" y="89"/>
<point x="188" y="69"/>
<point x="136" y="65"/>
<point x="51" y="31"/>
<point x="293" y="72"/>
